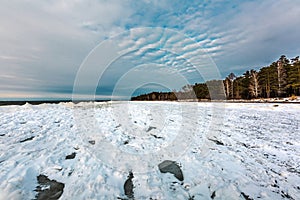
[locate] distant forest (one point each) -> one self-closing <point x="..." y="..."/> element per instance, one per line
<point x="278" y="80"/>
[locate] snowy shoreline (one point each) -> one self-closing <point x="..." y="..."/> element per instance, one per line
<point x="252" y="150"/>
<point x="263" y="100"/>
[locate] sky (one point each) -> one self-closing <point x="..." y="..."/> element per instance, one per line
<point x="55" y="49"/>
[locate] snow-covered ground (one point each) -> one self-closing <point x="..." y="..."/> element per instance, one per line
<point x="224" y="150"/>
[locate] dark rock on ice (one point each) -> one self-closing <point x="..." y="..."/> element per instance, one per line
<point x="247" y="197"/>
<point x="157" y="137"/>
<point x="70" y="172"/>
<point x="48" y="189"/>
<point x="286" y="195"/>
<point x="126" y="142"/>
<point x="150" y="128"/>
<point x="213" y="195"/>
<point x="57" y="121"/>
<point x="92" y="142"/>
<point x="71" y="156"/>
<point x="27" y="139"/>
<point x="128" y="186"/>
<point x="216" y="141"/>
<point x="245" y="145"/>
<point x="172" y="167"/>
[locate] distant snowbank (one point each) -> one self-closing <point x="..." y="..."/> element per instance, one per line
<point x="268" y="100"/>
<point x="295" y="99"/>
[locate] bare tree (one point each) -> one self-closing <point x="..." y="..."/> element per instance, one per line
<point x="232" y="77"/>
<point x="254" y="85"/>
<point x="281" y="63"/>
<point x="227" y="87"/>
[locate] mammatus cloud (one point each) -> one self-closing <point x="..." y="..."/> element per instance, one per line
<point x="43" y="43"/>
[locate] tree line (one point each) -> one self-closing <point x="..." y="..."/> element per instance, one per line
<point x="280" y="79"/>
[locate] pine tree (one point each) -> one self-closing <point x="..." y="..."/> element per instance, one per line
<point x="268" y="80"/>
<point x="245" y="81"/>
<point x="293" y="72"/>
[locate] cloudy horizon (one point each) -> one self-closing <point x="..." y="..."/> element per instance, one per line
<point x="44" y="43"/>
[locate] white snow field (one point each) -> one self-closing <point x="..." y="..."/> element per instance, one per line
<point x="224" y="150"/>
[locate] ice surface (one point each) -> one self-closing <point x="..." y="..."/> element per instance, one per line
<point x="224" y="150"/>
